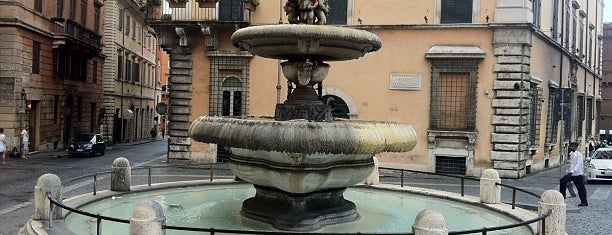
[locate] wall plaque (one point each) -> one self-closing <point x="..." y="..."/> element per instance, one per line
<point x="405" y="81"/>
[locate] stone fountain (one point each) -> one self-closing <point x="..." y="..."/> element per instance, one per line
<point x="301" y="161"/>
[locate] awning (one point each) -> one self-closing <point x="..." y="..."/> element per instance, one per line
<point x="454" y="52"/>
<point x="127" y="114"/>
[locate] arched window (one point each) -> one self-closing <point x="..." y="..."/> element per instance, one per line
<point x="339" y="107"/>
<point x="231" y="97"/>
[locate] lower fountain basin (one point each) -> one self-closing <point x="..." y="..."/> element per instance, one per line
<point x="220" y="205"/>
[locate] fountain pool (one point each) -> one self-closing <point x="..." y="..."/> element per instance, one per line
<point x="219" y="206"/>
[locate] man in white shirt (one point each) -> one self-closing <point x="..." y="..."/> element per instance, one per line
<point x="25" y="143"/>
<point x="576" y="171"/>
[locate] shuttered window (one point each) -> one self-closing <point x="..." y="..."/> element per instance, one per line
<point x="456" y="11"/>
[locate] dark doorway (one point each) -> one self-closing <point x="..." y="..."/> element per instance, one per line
<point x="339" y="107"/>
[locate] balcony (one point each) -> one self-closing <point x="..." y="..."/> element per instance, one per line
<point x="69" y="31"/>
<point x="226" y="11"/>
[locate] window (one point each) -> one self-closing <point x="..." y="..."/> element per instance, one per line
<point x="128" y="70"/>
<point x="555" y="20"/>
<point x="72" y="9"/>
<point x="567" y="24"/>
<point x="537" y="7"/>
<point x="38" y="5"/>
<point x="97" y="18"/>
<point x="60" y="9"/>
<point x="535" y="111"/>
<point x="231" y="97"/>
<point x="456" y="11"/>
<point x="95" y="72"/>
<point x="589" y="116"/>
<point x="121" y="19"/>
<point x="84" y="12"/>
<point x="128" y="22"/>
<point x="36" y="57"/>
<point x="120" y="67"/>
<point x="453" y="100"/>
<point x="581" y="114"/>
<point x="552" y="119"/>
<point x="338" y="12"/>
<point x="55" y="109"/>
<point x="136" y="72"/>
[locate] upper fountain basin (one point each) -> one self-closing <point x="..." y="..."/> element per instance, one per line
<point x="301" y="136"/>
<point x="301" y="41"/>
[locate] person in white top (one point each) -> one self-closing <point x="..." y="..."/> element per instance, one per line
<point x="576" y="171"/>
<point x="2" y="145"/>
<point x="25" y="138"/>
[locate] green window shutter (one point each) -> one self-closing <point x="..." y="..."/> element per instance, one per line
<point x="456" y="11"/>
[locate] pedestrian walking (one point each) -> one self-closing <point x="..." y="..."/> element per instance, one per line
<point x="3" y="145"/>
<point x="153" y="132"/>
<point x="25" y="144"/>
<point x="575" y="174"/>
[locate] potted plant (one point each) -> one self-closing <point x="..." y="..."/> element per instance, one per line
<point x="177" y="3"/>
<point x="251" y="5"/>
<point x="207" y="3"/>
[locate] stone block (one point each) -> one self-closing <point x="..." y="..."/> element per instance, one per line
<point x="509" y="165"/>
<point x="178" y="155"/>
<point x="179" y="140"/>
<point x="179" y="125"/>
<point x="181" y="95"/>
<point x="180" y="102"/>
<point x="179" y="110"/>
<point x="513" y="129"/>
<point x="178" y="118"/>
<point x="513" y="59"/>
<point x="515" y="77"/>
<point x="504" y="138"/>
<point x="181" y="87"/>
<point x="181" y="64"/>
<point x="511" y="94"/>
<point x="178" y="133"/>
<point x="513" y="174"/>
<point x="176" y="56"/>
<point x="178" y="148"/>
<point x="511" y="68"/>
<point x="506" y="147"/>
<point x="507" y="156"/>
<point x="506" y="120"/>
<point x="180" y="79"/>
<point x="509" y="103"/>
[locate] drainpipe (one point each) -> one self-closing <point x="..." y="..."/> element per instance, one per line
<point x="278" y="78"/>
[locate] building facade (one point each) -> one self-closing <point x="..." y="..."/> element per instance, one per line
<point x="50" y="70"/>
<point x="605" y="128"/>
<point x="503" y="84"/>
<point x="131" y="73"/>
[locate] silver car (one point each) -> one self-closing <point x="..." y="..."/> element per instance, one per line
<point x="599" y="165"/>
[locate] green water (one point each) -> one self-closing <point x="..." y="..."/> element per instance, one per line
<point x="219" y="206"/>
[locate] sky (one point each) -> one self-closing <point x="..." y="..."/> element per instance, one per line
<point x="607" y="12"/>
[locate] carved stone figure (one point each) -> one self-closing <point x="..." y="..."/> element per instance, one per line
<point x="307" y="11"/>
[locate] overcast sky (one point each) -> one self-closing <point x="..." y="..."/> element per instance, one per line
<point x="607" y="14"/>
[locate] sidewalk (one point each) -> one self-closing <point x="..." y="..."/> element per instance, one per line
<point x="64" y="153"/>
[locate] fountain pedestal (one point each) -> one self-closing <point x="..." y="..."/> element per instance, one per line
<point x="299" y="212"/>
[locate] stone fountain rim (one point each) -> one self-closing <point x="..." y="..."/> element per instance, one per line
<point x="302" y="136"/>
<point x="348" y="39"/>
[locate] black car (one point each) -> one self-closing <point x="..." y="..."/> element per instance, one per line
<point x="87" y="144"/>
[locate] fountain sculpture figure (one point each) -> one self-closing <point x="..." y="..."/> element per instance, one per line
<point x="301" y="162"/>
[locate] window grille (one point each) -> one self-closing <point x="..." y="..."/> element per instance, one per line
<point x="552" y="120"/>
<point x="338" y="106"/>
<point x="453" y="102"/>
<point x="581" y="114"/>
<point x="589" y="119"/>
<point x="535" y="112"/>
<point x="229" y="86"/>
<point x="450" y="165"/>
<point x="338" y="12"/>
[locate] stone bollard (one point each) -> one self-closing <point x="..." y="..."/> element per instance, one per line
<point x="121" y="175"/>
<point x="374" y="178"/>
<point x="147" y="219"/>
<point x="429" y="222"/>
<point x="555" y="222"/>
<point x="490" y="193"/>
<point x="47" y="184"/>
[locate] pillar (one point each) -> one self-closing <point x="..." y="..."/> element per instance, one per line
<point x="147" y="219"/>
<point x="47" y="184"/>
<point x="555" y="222"/>
<point x="121" y="174"/>
<point x="490" y="192"/>
<point x="429" y="222"/>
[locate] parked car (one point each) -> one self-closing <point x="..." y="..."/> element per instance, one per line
<point x="599" y="165"/>
<point x="87" y="144"/>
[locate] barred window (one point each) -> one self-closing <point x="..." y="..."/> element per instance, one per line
<point x="581" y="114"/>
<point x="589" y="119"/>
<point x="456" y="11"/>
<point x="229" y="86"/>
<point x="535" y="112"/>
<point x="552" y="120"/>
<point x="338" y="12"/>
<point x="453" y="101"/>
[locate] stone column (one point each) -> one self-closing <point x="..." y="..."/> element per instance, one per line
<point x="47" y="184"/>
<point x="121" y="175"/>
<point x="147" y="219"/>
<point x="490" y="192"/>
<point x="555" y="222"/>
<point x="429" y="222"/>
<point x="180" y="102"/>
<point x="512" y="47"/>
